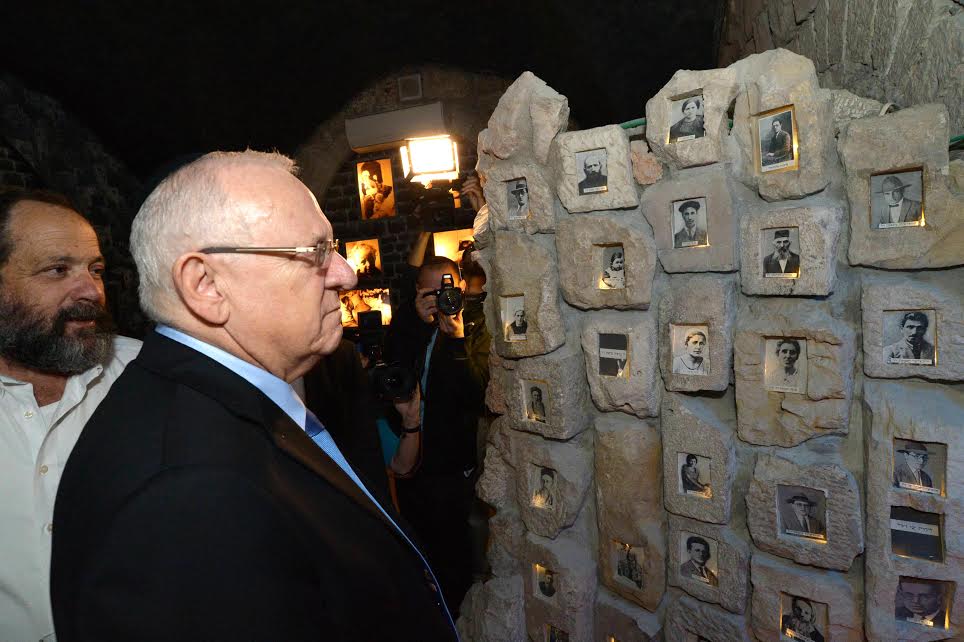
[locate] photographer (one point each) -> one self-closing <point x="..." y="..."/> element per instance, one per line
<point x="435" y="481"/>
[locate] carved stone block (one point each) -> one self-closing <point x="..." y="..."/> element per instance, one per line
<point x="527" y="118"/>
<point x="620" y="353"/>
<point x="620" y="620"/>
<point x="688" y="619"/>
<point x="605" y="149"/>
<point x="836" y="531"/>
<point x="724" y="578"/>
<point x="695" y="307"/>
<point x="700" y="426"/>
<point x="587" y="247"/>
<point x="560" y="587"/>
<point x="664" y="204"/>
<point x="784" y="400"/>
<point x="632" y="544"/>
<point x="493" y="611"/>
<point x="519" y="197"/>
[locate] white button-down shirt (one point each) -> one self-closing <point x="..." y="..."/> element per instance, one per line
<point x="34" y="445"/>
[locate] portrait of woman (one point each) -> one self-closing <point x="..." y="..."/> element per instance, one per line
<point x="690" y="126"/>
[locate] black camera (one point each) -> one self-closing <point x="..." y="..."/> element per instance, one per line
<point x="449" y="296"/>
<point x="390" y="381"/>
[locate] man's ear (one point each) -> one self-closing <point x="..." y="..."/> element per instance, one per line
<point x="199" y="285"/>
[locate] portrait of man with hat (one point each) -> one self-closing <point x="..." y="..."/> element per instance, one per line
<point x="909" y="463"/>
<point x="693" y="230"/>
<point x="891" y="205"/>
<point x="784" y="261"/>
<point x="517" y="198"/>
<point x="800" y="517"/>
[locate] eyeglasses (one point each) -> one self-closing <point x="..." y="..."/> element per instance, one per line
<point x="320" y="253"/>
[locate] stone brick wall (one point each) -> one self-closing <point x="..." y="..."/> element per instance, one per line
<point x="906" y="52"/>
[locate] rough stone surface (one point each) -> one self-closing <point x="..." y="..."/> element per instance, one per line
<point x="525" y="265"/>
<point x="836" y="28"/>
<point x="702" y="426"/>
<point x="528" y="116"/>
<point x="646" y="167"/>
<point x="860" y="31"/>
<point x="718" y="87"/>
<point x="722" y="254"/>
<point x="761" y="32"/>
<point x="506" y="537"/>
<point x="732" y="560"/>
<point x="785" y="419"/>
<point x="782" y="22"/>
<point x="848" y="106"/>
<point x="497" y="482"/>
<point x="687" y="618"/>
<point x="618" y="168"/>
<point x="927" y="413"/>
<point x="700" y="299"/>
<point x="911" y="138"/>
<point x="771" y="577"/>
<point x="942" y="292"/>
<point x="493" y="611"/>
<point x="638" y="392"/>
<point x="821" y="54"/>
<point x="571" y="608"/>
<point x="572" y="462"/>
<point x="845" y="537"/>
<point x="616" y="618"/>
<point x="482" y="231"/>
<point x="579" y="242"/>
<point x="819" y="231"/>
<point x="629" y="504"/>
<point x="542" y="200"/>
<point x="775" y="79"/>
<point x="562" y="374"/>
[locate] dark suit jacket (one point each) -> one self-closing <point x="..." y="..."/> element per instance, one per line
<point x="771" y="264"/>
<point x="193" y="508"/>
<point x="909" y="211"/>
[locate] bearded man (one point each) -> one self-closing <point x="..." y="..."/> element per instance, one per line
<point x="58" y="358"/>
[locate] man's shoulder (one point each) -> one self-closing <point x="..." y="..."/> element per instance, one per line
<point x="126" y="349"/>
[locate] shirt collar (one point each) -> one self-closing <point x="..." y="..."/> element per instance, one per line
<point x="275" y="388"/>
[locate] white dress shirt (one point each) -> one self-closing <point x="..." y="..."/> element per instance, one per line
<point x="34" y="445"/>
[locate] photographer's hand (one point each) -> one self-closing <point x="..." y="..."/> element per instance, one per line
<point x="472" y="190"/>
<point x="426" y="304"/>
<point x="453" y="326"/>
<point x="406" y="455"/>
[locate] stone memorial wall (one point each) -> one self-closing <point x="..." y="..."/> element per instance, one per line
<point x="728" y="364"/>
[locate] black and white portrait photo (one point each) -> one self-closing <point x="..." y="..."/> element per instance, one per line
<point x="803" y="512"/>
<point x="780" y="249"/>
<point x="364" y="257"/>
<point x="914" y="533"/>
<point x="908" y="337"/>
<point x="535" y="396"/>
<point x="613" y="355"/>
<point x="694" y="475"/>
<point x="785" y="365"/>
<point x="545" y="582"/>
<point x="922" y="601"/>
<point x="687" y="118"/>
<point x="775" y="131"/>
<point x="514" y="322"/>
<point x="591" y="171"/>
<point x="698" y="556"/>
<point x="896" y="200"/>
<point x="613" y="274"/>
<point x="554" y="634"/>
<point x="689" y="222"/>
<point x="544" y="495"/>
<point x="376" y="189"/>
<point x="690" y="349"/>
<point x="919" y="466"/>
<point x="802" y="619"/>
<point x="517" y="198"/>
<point x="626" y="563"/>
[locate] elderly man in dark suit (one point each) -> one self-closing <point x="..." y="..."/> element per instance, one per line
<point x="783" y="260"/>
<point x="910" y="469"/>
<point x="203" y="501"/>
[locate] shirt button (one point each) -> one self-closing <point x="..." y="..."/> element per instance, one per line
<point x="44" y="469"/>
<point x="50" y="528"/>
<point x="28" y="414"/>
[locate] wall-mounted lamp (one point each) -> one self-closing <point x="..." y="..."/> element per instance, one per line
<point x="433" y="158"/>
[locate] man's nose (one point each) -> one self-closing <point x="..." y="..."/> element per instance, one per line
<point x="339" y="274"/>
<point x="87" y="287"/>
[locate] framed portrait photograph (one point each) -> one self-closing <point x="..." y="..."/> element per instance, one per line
<point x="802" y="619"/>
<point x="802" y="512"/>
<point x="554" y="634"/>
<point x="517" y="199"/>
<point x="897" y="199"/>
<point x="514" y="322"/>
<point x="354" y="302"/>
<point x="451" y="243"/>
<point x="544" y="583"/>
<point x="922" y="601"/>
<point x="612" y="264"/>
<point x="687" y="118"/>
<point x="780" y="249"/>
<point x="544" y="486"/>
<point x="626" y="562"/>
<point x="691" y="351"/>
<point x="613" y="355"/>
<point x="535" y="397"/>
<point x="689" y="222"/>
<point x="591" y="171"/>
<point x="694" y="475"/>
<point x="910" y="337"/>
<point x="776" y="133"/>
<point x="698" y="558"/>
<point x="785" y="364"/>
<point x="919" y="466"/>
<point x="376" y="190"/>
<point x="364" y="258"/>
<point x="917" y="534"/>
